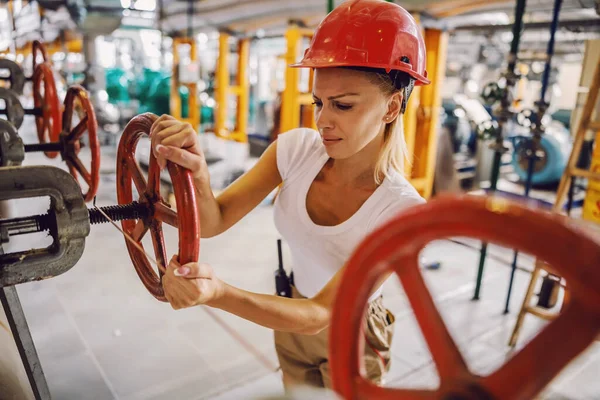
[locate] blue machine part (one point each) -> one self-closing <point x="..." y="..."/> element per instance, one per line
<point x="556" y="147"/>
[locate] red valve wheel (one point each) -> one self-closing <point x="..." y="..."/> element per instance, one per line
<point x="394" y="248"/>
<point x="186" y="219"/>
<point x="49" y="123"/>
<point x="38" y="47"/>
<point x="70" y="138"/>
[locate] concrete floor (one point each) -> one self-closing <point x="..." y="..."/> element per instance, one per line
<point x="100" y="335"/>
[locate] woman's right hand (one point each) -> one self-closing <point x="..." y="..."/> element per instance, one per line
<point x="176" y="141"/>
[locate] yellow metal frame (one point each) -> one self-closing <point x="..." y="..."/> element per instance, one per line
<point x="175" y="99"/>
<point x="58" y="45"/>
<point x="428" y="111"/>
<point x="292" y="99"/>
<point x="241" y="90"/>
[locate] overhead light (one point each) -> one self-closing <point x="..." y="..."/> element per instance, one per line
<point x="460" y="113"/>
<point x="488" y="18"/>
<point x="506" y="37"/>
<point x="523" y="69"/>
<point x="125" y="3"/>
<point x="145" y="5"/>
<point x="537" y="67"/>
<point x="556" y="91"/>
<point x="202" y="37"/>
<point x="472" y="86"/>
<point x="454" y="66"/>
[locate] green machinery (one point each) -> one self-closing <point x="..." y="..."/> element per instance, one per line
<point x="151" y="89"/>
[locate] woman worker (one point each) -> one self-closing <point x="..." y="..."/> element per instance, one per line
<point x="339" y="183"/>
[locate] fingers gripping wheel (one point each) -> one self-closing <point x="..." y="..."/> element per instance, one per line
<point x="45" y="98"/>
<point x="395" y="248"/>
<point x="186" y="219"/>
<point x="70" y="139"/>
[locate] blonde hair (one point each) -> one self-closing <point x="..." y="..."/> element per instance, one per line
<point x="394" y="150"/>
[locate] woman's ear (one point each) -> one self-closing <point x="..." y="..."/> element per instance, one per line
<point x="394" y="107"/>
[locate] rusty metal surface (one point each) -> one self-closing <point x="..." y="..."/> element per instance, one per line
<point x="71" y="223"/>
<point x="16" y="75"/>
<point x="395" y="247"/>
<point x="49" y="123"/>
<point x="38" y="49"/>
<point x="12" y="151"/>
<point x="70" y="139"/>
<point x="186" y="219"/>
<point x="14" y="110"/>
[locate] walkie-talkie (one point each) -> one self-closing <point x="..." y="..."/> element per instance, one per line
<point x="282" y="281"/>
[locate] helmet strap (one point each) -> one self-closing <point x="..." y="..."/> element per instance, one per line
<point x="407" y="91"/>
<point x="402" y="81"/>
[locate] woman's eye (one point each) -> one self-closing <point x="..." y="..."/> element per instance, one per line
<point x="317" y="103"/>
<point x="343" y="107"/>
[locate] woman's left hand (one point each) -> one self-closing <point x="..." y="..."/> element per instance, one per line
<point x="190" y="284"/>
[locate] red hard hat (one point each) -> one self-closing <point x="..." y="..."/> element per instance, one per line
<point x="368" y="33"/>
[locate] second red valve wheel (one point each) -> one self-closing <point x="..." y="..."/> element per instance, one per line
<point x="395" y="247"/>
<point x="68" y="143"/>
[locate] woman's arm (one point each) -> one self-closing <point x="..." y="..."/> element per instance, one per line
<point x="178" y="142"/>
<point x="194" y="284"/>
<point x="305" y="316"/>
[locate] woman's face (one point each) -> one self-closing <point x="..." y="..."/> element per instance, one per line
<point x="350" y="110"/>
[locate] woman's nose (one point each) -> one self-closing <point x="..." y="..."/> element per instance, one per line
<point x="323" y="119"/>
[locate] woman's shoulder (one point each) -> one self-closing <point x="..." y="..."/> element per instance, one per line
<point x="399" y="195"/>
<point x="400" y="192"/>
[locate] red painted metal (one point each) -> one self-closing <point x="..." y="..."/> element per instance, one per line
<point x="49" y="124"/>
<point x="186" y="219"/>
<point x="70" y="138"/>
<point x="371" y="34"/>
<point x="38" y="47"/>
<point x="395" y="248"/>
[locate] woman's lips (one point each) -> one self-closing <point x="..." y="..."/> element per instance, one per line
<point x="331" y="141"/>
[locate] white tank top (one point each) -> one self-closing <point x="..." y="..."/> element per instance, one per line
<point x="317" y="251"/>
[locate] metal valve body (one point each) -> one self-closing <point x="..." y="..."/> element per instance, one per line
<point x="68" y="223"/>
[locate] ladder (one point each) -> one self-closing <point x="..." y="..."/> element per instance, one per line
<point x="571" y="171"/>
